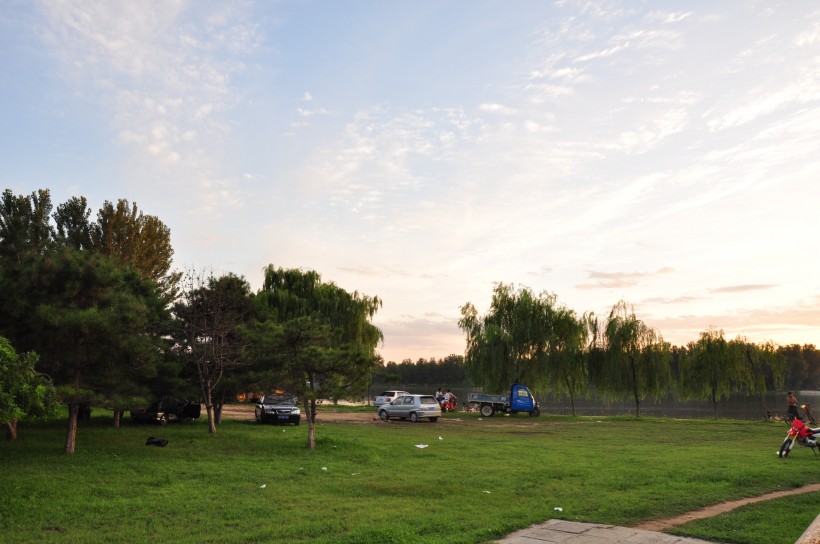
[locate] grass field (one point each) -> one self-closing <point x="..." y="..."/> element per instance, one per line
<point x="477" y="480"/>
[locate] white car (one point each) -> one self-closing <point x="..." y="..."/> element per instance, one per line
<point x="414" y="407"/>
<point x="388" y="396"/>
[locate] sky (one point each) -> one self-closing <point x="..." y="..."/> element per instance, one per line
<point x="662" y="153"/>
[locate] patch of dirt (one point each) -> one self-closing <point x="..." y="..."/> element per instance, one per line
<point x="722" y="508"/>
<point x="245" y="412"/>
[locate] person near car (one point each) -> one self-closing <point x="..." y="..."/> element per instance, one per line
<point x="439" y="395"/>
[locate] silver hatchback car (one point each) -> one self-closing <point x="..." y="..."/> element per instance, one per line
<point x="414" y="407"/>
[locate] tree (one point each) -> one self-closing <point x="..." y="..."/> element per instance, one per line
<point x="637" y="359"/>
<point x="511" y="342"/>
<point x="209" y="314"/>
<point x="24" y="392"/>
<point x="24" y="224"/>
<point x="567" y="369"/>
<point x="314" y="339"/>
<point x="763" y="364"/>
<point x="72" y="224"/>
<point x="142" y="242"/>
<point x="97" y="326"/>
<point x="710" y="369"/>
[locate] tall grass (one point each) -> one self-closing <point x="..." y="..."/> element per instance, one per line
<point x="477" y="480"/>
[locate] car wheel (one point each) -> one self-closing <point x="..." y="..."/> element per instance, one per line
<point x="535" y="412"/>
<point x="487" y="410"/>
<point x="433" y="419"/>
<point x="383" y="415"/>
<point x="414" y="417"/>
<point x="296" y="423"/>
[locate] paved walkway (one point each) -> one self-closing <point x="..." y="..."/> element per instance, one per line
<point x="573" y="532"/>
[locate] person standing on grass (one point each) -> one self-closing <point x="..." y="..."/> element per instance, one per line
<point x="791" y="412"/>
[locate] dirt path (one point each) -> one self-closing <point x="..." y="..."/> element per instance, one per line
<point x="722" y="508"/>
<point x="246" y="412"/>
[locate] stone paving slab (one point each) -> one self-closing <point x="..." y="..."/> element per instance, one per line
<point x="557" y="531"/>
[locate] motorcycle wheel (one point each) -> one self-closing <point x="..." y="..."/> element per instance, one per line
<point x="784" y="449"/>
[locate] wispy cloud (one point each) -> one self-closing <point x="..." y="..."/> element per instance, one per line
<point x="615" y="280"/>
<point x="740" y="288"/>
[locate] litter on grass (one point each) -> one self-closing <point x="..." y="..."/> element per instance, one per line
<point x="421" y="446"/>
<point x="263" y="486"/>
<point x="558" y="509"/>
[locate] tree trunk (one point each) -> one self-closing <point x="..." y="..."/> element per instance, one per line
<point x="635" y="387"/>
<point x="310" y="414"/>
<point x="118" y="418"/>
<point x="218" y="409"/>
<point x="71" y="432"/>
<point x="207" y="392"/>
<point x="11" y="430"/>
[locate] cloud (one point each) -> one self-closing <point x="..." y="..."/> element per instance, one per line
<point x="608" y="52"/>
<point x="615" y="280"/>
<point x="163" y="74"/>
<point x="497" y="108"/>
<point x="741" y="288"/>
<point x="780" y="324"/>
<point x="311" y="113"/>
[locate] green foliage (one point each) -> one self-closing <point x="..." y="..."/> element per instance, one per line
<point x="24" y="392"/>
<point x="512" y="341"/>
<point x="713" y="368"/>
<point x="573" y="338"/>
<point x="140" y="241"/>
<point x="313" y="338"/>
<point x="97" y="327"/>
<point x="24" y="224"/>
<point x="710" y="369"/>
<point x="637" y="362"/>
<point x="446" y="371"/>
<point x="207" y="333"/>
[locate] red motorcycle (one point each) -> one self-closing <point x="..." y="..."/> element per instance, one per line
<point x="802" y="434"/>
<point x="450" y="405"/>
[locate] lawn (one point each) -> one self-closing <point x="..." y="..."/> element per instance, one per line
<point x="477" y="480"/>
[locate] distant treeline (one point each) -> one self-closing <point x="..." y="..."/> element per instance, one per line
<point x="445" y="372"/>
<point x="802" y="369"/>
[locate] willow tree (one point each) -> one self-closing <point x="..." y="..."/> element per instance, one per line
<point x="764" y="363"/>
<point x="575" y="341"/>
<point x="637" y="359"/>
<point x="511" y="342"/>
<point x="314" y="339"/>
<point x="710" y="369"/>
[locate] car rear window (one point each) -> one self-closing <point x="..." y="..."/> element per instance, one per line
<point x="429" y="400"/>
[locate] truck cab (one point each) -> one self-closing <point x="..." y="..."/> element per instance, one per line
<point x="521" y="400"/>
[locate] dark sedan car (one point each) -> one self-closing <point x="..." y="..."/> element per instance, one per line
<point x="278" y="409"/>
